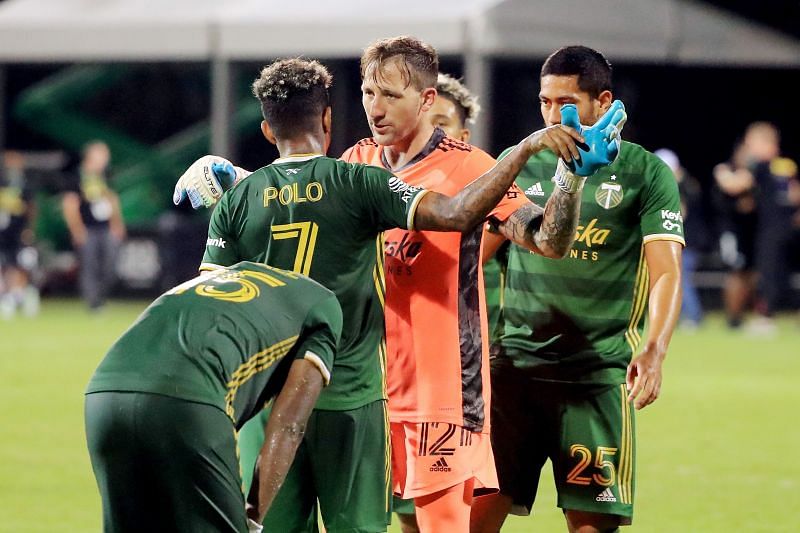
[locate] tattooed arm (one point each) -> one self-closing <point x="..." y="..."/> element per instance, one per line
<point x="473" y="203"/>
<point x="550" y="231"/>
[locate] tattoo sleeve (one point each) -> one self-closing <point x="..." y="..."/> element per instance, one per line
<point x="473" y="203"/>
<point x="549" y="231"/>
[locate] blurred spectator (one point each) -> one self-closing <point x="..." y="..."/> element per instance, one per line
<point x="18" y="257"/>
<point x="736" y="206"/>
<point x="92" y="213"/>
<point x="693" y="231"/>
<point x="775" y="179"/>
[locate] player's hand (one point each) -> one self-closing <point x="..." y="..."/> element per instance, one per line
<point x="205" y="181"/>
<point x="560" y="139"/>
<point x="643" y="378"/>
<point x="602" y="143"/>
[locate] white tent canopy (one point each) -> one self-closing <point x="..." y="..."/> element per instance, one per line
<point x="674" y="31"/>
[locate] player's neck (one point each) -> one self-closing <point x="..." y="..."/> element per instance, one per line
<point x="399" y="154"/>
<point x="301" y="145"/>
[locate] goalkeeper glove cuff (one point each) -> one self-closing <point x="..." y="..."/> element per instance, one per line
<point x="566" y="180"/>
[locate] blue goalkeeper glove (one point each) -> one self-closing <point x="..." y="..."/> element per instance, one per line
<point x="602" y="139"/>
<point x="206" y="180"/>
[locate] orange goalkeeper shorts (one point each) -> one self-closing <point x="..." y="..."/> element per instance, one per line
<point x="431" y="456"/>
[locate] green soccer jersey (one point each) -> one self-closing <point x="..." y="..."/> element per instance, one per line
<point x="324" y="218"/>
<point x="579" y="319"/>
<point x="226" y="338"/>
<point x="494" y="272"/>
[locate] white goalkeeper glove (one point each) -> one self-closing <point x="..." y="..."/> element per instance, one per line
<point x="205" y="181"/>
<point x="253" y="526"/>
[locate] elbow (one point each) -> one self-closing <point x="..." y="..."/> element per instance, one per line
<point x="555" y="250"/>
<point x="461" y="221"/>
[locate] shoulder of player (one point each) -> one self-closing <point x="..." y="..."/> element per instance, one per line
<point x="639" y="160"/>
<point x="469" y="163"/>
<point x="361" y="150"/>
<point x="448" y="144"/>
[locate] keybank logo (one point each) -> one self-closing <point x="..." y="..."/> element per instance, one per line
<point x="219" y="243"/>
<point x="591" y="235"/>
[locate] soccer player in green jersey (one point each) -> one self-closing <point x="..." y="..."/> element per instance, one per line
<point x="572" y="359"/>
<point x="324" y="217"/>
<point x="163" y="407"/>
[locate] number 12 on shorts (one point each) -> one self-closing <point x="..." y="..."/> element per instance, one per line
<point x="606" y="474"/>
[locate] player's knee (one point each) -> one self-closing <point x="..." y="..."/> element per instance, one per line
<point x="585" y="522"/>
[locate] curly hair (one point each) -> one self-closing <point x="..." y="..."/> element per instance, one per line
<point x="466" y="103"/>
<point x="293" y="94"/>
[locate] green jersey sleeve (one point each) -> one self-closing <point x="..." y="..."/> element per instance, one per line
<point x="390" y="201"/>
<point x="661" y="217"/>
<point x="320" y="336"/>
<point x="220" y="245"/>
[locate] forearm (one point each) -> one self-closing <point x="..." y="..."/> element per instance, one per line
<point x="284" y="431"/>
<point x="556" y="234"/>
<point x="664" y="311"/>
<point x="272" y="466"/>
<point x="474" y="202"/>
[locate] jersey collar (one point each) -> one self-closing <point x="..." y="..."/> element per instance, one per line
<point x="433" y="142"/>
<point x="297" y="158"/>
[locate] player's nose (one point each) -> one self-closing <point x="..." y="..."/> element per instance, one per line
<point x="553" y="116"/>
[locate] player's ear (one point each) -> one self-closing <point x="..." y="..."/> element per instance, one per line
<point x="327" y="120"/>
<point x="327" y="123"/>
<point x="267" y="131"/>
<point x="465" y="133"/>
<point x="428" y="97"/>
<point x="604" y="99"/>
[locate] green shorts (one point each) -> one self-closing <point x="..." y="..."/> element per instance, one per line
<point x="163" y="464"/>
<point x="403" y="506"/>
<point x="587" y="433"/>
<point x="343" y="462"/>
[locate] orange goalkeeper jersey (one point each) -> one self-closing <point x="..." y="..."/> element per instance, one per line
<point x="436" y="332"/>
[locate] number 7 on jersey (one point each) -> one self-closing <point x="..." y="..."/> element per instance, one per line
<point x="306" y="235"/>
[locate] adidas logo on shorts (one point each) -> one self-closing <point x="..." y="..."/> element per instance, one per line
<point x="441" y="466"/>
<point x="606" y="496"/>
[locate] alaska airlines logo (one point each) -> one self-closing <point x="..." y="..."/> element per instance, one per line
<point x="590" y="234"/>
<point x="404" y="249"/>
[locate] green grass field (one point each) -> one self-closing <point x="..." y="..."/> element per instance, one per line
<point x="717" y="452"/>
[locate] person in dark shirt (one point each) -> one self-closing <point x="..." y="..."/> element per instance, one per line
<point x="92" y="214"/>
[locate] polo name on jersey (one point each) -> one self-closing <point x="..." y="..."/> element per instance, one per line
<point x="219" y="243"/>
<point x="402" y="189"/>
<point x="291" y="194"/>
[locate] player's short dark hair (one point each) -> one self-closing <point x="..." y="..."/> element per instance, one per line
<point x="591" y="67"/>
<point x="293" y="95"/>
<point x="418" y="61"/>
<point x="466" y="103"/>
